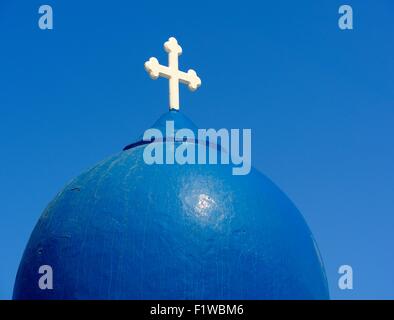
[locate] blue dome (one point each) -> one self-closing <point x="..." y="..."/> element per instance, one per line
<point x="127" y="230"/>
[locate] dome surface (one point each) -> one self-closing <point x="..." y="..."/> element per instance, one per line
<point x="127" y="230"/>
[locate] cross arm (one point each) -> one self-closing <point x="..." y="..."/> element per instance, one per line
<point x="190" y="78"/>
<point x="155" y="69"/>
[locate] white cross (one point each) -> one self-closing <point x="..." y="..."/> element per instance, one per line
<point x="172" y="73"/>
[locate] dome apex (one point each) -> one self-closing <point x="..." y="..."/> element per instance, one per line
<point x="180" y="122"/>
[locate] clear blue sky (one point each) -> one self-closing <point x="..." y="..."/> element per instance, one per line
<point x="319" y="101"/>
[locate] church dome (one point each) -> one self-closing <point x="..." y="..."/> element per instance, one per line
<point x="128" y="230"/>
